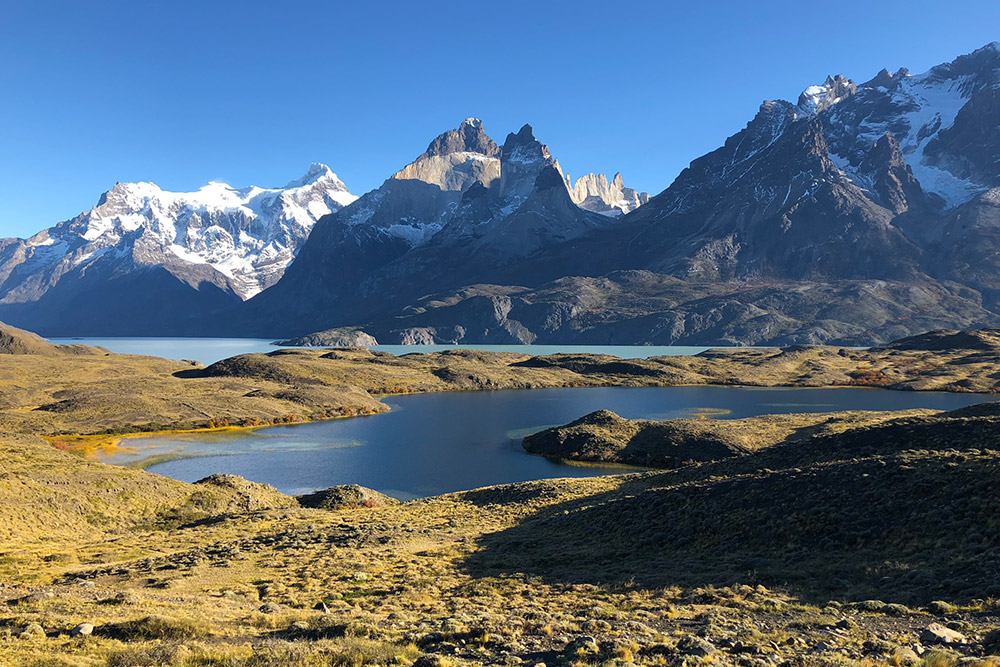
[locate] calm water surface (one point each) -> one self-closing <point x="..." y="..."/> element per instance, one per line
<point x="210" y="350"/>
<point x="437" y="443"/>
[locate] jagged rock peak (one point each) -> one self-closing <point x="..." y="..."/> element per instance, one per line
<point x="456" y="160"/>
<point x="317" y="172"/>
<point x="891" y="179"/>
<point x="594" y="193"/>
<point x="524" y="147"/>
<point x="470" y="137"/>
<point x="815" y="99"/>
<point x="526" y="163"/>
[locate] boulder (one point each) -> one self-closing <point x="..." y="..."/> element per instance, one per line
<point x="935" y="633"/>
<point x="33" y="631"/>
<point x="82" y="630"/>
<point x="696" y="646"/>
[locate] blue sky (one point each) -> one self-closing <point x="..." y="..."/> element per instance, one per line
<point x="181" y="93"/>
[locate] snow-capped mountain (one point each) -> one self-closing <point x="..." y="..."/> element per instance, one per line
<point x="220" y="240"/>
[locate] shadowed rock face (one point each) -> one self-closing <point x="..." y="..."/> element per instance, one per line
<point x="639" y="307"/>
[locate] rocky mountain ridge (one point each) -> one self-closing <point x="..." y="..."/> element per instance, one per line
<point x="857" y="214"/>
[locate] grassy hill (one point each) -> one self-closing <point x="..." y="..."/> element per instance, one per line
<point x="850" y="539"/>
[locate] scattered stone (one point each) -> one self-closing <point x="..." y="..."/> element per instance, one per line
<point x="270" y="608"/>
<point x="430" y="661"/>
<point x="82" y="630"/>
<point x="935" y="633"/>
<point x="299" y="626"/>
<point x="893" y="609"/>
<point x="991" y="642"/>
<point x="33" y="631"/>
<point x="695" y="646"/>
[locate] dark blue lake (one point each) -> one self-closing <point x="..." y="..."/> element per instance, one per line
<point x="436" y="443"/>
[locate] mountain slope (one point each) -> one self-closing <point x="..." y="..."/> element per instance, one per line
<point x="144" y="259"/>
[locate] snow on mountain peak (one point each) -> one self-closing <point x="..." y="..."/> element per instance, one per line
<point x="317" y="172"/>
<point x="815" y="99"/>
<point x="249" y="235"/>
<point x="918" y="110"/>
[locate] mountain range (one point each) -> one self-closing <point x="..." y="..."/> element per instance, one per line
<point x="145" y="259"/>
<point x="856" y="214"/>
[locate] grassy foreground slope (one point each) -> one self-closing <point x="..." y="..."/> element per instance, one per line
<point x="870" y="542"/>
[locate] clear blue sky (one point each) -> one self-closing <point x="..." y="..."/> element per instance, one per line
<point x="181" y="93"/>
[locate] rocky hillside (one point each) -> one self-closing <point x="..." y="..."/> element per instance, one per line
<point x="646" y="308"/>
<point x="800" y="512"/>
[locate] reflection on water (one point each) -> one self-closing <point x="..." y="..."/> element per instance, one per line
<point x="436" y="443"/>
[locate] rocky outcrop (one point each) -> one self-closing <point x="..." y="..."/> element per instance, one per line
<point x="348" y="496"/>
<point x="246" y="496"/>
<point x="344" y="337"/>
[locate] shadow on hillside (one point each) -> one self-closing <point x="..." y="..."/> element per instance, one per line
<point x="191" y="373"/>
<point x="901" y="531"/>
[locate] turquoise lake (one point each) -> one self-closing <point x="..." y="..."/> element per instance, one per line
<point x="210" y="350"/>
